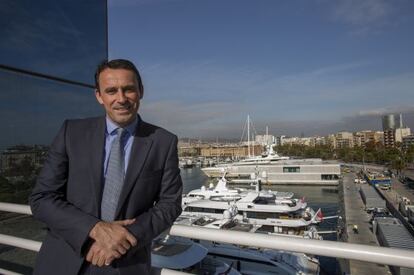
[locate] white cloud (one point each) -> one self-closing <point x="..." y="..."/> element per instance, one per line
<point x="385" y="110"/>
<point x="357" y="12"/>
<point x="364" y="16"/>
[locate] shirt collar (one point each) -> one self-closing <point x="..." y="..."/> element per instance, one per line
<point x="111" y="126"/>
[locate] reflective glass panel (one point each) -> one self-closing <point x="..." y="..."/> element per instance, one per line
<point x="64" y="38"/>
<point x="32" y="109"/>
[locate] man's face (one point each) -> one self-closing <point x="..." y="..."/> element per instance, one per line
<point x="119" y="94"/>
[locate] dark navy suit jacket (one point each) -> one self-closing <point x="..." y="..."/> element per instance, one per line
<point x="67" y="196"/>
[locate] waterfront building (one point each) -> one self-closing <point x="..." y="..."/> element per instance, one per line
<point x="389" y="138"/>
<point x="344" y="140"/>
<point x="318" y="141"/>
<point x="280" y="140"/>
<point x="189" y="151"/>
<point x="265" y="139"/>
<point x="407" y="142"/>
<point x="394" y="130"/>
<point x="359" y="139"/>
<point x="34" y="156"/>
<point x="388" y="126"/>
<point x="400" y="133"/>
<point x="231" y="151"/>
<point x="373" y="136"/>
<point x="307" y="141"/>
<point x="363" y="137"/>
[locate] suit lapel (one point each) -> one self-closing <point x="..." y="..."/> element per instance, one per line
<point x="139" y="152"/>
<point x="97" y="147"/>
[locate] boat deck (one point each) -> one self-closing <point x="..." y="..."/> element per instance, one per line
<point x="169" y="250"/>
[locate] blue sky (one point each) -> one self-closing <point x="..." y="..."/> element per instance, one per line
<point x="298" y="66"/>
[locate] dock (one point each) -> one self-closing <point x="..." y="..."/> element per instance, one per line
<point x="355" y="214"/>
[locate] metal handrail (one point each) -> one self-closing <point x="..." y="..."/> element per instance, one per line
<point x="20" y="242"/>
<point x="366" y="253"/>
<point x="15" y="208"/>
<point x="8" y="272"/>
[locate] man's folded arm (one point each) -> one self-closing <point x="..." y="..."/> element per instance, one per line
<point x="168" y="205"/>
<point x="48" y="200"/>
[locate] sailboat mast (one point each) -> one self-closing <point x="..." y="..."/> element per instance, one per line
<point x="248" y="135"/>
<point x="267" y="135"/>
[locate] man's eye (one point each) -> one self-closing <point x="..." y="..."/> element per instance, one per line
<point x="129" y="90"/>
<point x="111" y="92"/>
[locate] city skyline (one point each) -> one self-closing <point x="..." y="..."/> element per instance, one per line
<point x="304" y="66"/>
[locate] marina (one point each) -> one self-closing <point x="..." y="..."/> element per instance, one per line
<point x="345" y="201"/>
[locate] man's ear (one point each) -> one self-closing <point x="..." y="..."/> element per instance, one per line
<point x="98" y="96"/>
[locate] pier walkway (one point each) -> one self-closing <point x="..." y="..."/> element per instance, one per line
<point x="356" y="215"/>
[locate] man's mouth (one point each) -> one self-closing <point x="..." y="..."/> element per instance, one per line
<point x="123" y="108"/>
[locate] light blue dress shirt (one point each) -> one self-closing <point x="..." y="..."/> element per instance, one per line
<point x="127" y="141"/>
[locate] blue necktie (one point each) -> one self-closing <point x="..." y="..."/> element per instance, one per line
<point x="114" y="179"/>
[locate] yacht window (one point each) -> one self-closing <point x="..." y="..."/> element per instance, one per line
<point x="327" y="177"/>
<point x="291" y="169"/>
<point x="266" y="229"/>
<point x="262" y="215"/>
<point x="260" y="200"/>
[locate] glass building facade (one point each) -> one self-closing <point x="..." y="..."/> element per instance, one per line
<point x="48" y="54"/>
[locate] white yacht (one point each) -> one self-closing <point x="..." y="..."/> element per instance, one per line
<point x="221" y="192"/>
<point x="252" y="260"/>
<point x="228" y="221"/>
<point x="273" y="214"/>
<point x="182" y="254"/>
<point x="274" y="169"/>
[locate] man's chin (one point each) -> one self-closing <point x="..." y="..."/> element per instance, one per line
<point x="123" y="120"/>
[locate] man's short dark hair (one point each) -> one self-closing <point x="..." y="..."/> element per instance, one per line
<point x="118" y="64"/>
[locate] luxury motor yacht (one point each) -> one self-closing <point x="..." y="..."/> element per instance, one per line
<point x="274" y="169"/>
<point x="220" y="192"/>
<point x="277" y="215"/>
<point x="253" y="260"/>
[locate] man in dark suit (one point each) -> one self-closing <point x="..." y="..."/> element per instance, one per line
<point x="109" y="184"/>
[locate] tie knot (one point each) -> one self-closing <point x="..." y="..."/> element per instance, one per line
<point x="120" y="132"/>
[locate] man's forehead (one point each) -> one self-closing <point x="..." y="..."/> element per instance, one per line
<point x="117" y="76"/>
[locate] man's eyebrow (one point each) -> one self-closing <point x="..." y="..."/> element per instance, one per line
<point x="129" y="87"/>
<point x="110" y="89"/>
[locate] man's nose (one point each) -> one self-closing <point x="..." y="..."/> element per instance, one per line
<point x="121" y="96"/>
